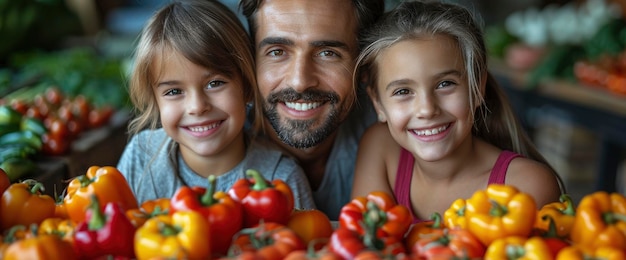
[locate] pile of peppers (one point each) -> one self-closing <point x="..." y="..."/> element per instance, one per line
<point x="97" y="217"/>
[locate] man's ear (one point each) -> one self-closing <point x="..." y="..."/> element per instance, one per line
<point x="377" y="106"/>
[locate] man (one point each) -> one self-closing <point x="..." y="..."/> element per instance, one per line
<point x="305" y="56"/>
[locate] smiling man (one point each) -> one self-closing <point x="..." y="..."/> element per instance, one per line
<point x="305" y="56"/>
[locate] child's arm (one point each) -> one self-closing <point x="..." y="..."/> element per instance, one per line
<point x="370" y="172"/>
<point x="535" y="179"/>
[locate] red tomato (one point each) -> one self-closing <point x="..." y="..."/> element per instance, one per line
<point x="54" y="95"/>
<point x="100" y="116"/>
<point x="312" y="226"/>
<point x="55" y="145"/>
<point x="20" y="106"/>
<point x="56" y="127"/>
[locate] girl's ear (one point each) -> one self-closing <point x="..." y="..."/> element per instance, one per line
<point x="377" y="106"/>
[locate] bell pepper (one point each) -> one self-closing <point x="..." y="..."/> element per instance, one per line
<point x="600" y="221"/>
<point x="424" y="228"/>
<point x="577" y="252"/>
<point x="348" y="243"/>
<point x="225" y="215"/>
<point x="448" y="244"/>
<point x="271" y="201"/>
<point x="181" y="235"/>
<point x="500" y="211"/>
<point x="454" y="216"/>
<point x="63" y="228"/>
<point x="24" y="204"/>
<point x="107" y="183"/>
<point x="148" y="210"/>
<point x="555" y="242"/>
<point x="267" y="240"/>
<point x="561" y="214"/>
<point x="516" y="247"/>
<point x="60" y="211"/>
<point x="40" y="247"/>
<point x="108" y="233"/>
<point x="396" y="218"/>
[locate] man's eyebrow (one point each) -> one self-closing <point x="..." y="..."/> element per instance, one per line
<point x="337" y="44"/>
<point x="274" y="40"/>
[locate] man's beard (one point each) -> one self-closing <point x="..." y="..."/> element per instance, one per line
<point x="299" y="133"/>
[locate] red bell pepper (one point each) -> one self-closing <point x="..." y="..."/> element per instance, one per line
<point x="348" y="243"/>
<point x="108" y="233"/>
<point x="270" y="201"/>
<point x="224" y="214"/>
<point x="397" y="218"/>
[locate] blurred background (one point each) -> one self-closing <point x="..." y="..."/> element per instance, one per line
<point x="65" y="62"/>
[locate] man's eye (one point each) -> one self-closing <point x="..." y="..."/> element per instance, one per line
<point x="328" y="53"/>
<point x="215" y="83"/>
<point x="275" y="53"/>
<point x="173" y="92"/>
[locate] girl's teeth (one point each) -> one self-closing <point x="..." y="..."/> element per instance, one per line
<point x="203" y="128"/>
<point x="302" y="106"/>
<point x="433" y="131"/>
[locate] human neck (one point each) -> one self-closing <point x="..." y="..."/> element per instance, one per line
<point x="219" y="163"/>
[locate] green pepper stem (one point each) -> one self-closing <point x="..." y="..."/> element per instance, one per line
<point x="436" y="218"/>
<point x="35" y="187"/>
<point x="373" y="219"/>
<point x="168" y="230"/>
<point x="97" y="218"/>
<point x="497" y="210"/>
<point x="207" y="198"/>
<point x="567" y="200"/>
<point x="259" y="182"/>
<point x="84" y="181"/>
<point x="551" y="227"/>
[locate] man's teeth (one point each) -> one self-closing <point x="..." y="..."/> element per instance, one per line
<point x="302" y="106"/>
<point x="203" y="128"/>
<point x="433" y="131"/>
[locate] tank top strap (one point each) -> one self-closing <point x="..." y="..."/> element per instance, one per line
<point x="402" y="187"/>
<point x="498" y="172"/>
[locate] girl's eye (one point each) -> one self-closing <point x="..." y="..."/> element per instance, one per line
<point x="215" y="83"/>
<point x="444" y="84"/>
<point x="172" y="92"/>
<point x="400" y="92"/>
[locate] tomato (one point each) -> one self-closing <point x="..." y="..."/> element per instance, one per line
<point x="34" y="112"/>
<point x="81" y="108"/>
<point x="56" y="127"/>
<point x="4" y="181"/>
<point x="312" y="226"/>
<point x="54" y="95"/>
<point x="55" y="145"/>
<point x="100" y="116"/>
<point x="20" y="106"/>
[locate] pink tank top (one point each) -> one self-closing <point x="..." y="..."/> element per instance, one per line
<point x="402" y="188"/>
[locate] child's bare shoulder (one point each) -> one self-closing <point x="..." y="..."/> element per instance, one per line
<point x="535" y="178"/>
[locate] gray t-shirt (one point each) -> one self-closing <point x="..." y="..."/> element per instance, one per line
<point x="336" y="186"/>
<point x="153" y="167"/>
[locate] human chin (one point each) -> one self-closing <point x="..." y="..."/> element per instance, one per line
<point x="302" y="134"/>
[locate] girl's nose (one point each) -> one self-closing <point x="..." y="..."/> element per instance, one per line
<point x="427" y="106"/>
<point x="197" y="103"/>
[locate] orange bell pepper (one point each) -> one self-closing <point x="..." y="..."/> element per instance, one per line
<point x="516" y="247"/>
<point x="107" y="183"/>
<point x="41" y="247"/>
<point x="447" y="243"/>
<point x="182" y="235"/>
<point x="24" y="204"/>
<point x="500" y="211"/>
<point x="148" y="210"/>
<point x="64" y="228"/>
<point x="600" y="221"/>
<point x="432" y="227"/>
<point x="562" y="213"/>
<point x="454" y="216"/>
<point x="576" y="252"/>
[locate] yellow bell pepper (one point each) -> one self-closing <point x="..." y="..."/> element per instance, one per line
<point x="600" y="221"/>
<point x="64" y="228"/>
<point x="182" y="235"/>
<point x="40" y="247"/>
<point x="576" y="252"/>
<point x="562" y="213"/>
<point x="516" y="247"/>
<point x="454" y="216"/>
<point x="500" y="211"/>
